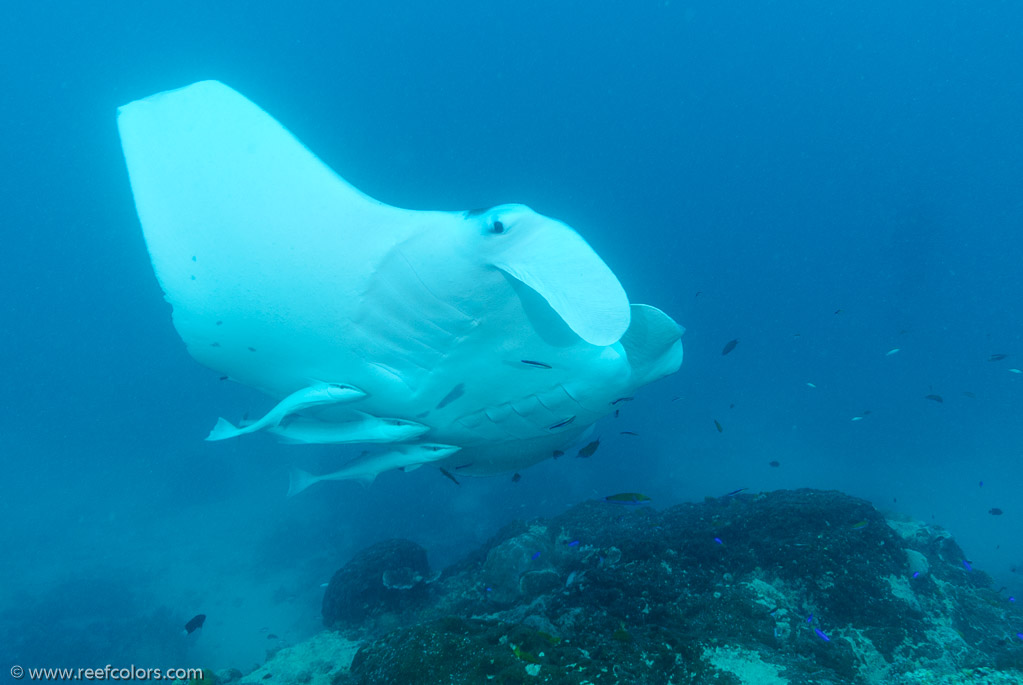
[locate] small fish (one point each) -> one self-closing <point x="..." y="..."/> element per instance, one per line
<point x="774" y="464"/>
<point x="561" y="424"/>
<point x="839" y="311"/>
<point x="717" y="424"/>
<point x="936" y="398"/>
<point x="718" y="540"/>
<point x="971" y="395"/>
<point x="574" y="543"/>
<point x="821" y="635"/>
<point x="809" y="619"/>
<point x="916" y="574"/>
<point x="995" y="511"/>
<point x="967" y="565"/>
<point x="627" y="433"/>
<point x="733" y="493"/>
<point x="857" y="418"/>
<point x="729" y="346"/>
<point x="223" y="378"/>
<point x="453" y="395"/>
<point x="516" y="478"/>
<point x="588" y="450"/>
<point x="557" y="453"/>
<point x="698" y="292"/>
<point x="535" y="556"/>
<point x="1015" y="371"/>
<point x="623" y="399"/>
<point x="892" y="351"/>
<point x="810" y="385"/>
<point x="464" y="466"/>
<point x="997" y="357"/>
<point x="448" y="474"/>
<point x="617" y="412"/>
<point x="538" y="365"/>
<point x="627" y="498"/>
<point x="195" y="624"/>
<point x="859" y="525"/>
<point x="271" y="636"/>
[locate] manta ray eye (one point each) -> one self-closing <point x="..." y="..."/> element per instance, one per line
<point x="497" y="227"/>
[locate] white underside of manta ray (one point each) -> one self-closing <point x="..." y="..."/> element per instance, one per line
<point x="481" y="340"/>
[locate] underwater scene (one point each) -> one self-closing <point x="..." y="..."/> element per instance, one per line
<point x="652" y="342"/>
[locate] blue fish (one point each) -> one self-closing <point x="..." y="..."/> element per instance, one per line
<point x="574" y="543"/>
<point x="536" y="556"/>
<point x="821" y="635"/>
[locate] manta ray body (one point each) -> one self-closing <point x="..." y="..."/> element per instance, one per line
<point x="481" y="340"/>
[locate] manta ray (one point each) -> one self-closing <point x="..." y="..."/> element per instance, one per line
<point x="484" y="340"/>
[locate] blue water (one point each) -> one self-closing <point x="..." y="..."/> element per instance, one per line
<point x="824" y="182"/>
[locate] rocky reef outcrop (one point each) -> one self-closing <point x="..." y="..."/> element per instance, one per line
<point x="784" y="587"/>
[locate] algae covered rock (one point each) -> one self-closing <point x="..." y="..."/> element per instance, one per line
<point x="389" y="577"/>
<point x="794" y="587"/>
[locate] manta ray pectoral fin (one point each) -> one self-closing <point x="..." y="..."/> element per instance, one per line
<point x="317" y="394"/>
<point x="653" y="344"/>
<point x="560" y="266"/>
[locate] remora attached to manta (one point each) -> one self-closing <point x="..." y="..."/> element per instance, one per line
<point x="485" y="339"/>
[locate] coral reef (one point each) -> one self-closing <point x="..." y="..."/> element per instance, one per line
<point x="384" y="579"/>
<point x="785" y="587"/>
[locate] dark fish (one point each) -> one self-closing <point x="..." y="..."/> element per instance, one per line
<point x="628" y="433"/>
<point x="995" y="511"/>
<point x="697" y="294"/>
<point x="464" y="466"/>
<point x="557" y="453"/>
<point x="733" y="493"/>
<point x="561" y="424"/>
<point x="271" y="636"/>
<point x="859" y="525"/>
<point x="617" y="412"/>
<point x="971" y="395"/>
<point x="775" y="463"/>
<point x="838" y="311"/>
<point x="718" y="425"/>
<point x="730" y="346"/>
<point x="223" y="378"/>
<point x="516" y="478"/>
<point x="589" y="449"/>
<point x="936" y="398"/>
<point x="455" y="393"/>
<point x="195" y="624"/>
<point x="448" y="474"/>
<point x="997" y="357"/>
<point x="627" y="498"/>
<point x="538" y="365"/>
<point x="623" y="399"/>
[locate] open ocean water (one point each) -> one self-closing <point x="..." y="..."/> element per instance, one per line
<point x="838" y="186"/>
